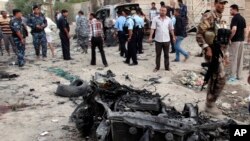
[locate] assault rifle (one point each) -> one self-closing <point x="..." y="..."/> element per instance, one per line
<point x="222" y="38"/>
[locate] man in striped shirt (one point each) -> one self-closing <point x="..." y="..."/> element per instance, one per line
<point x="7" y="33"/>
<point x="96" y="37"/>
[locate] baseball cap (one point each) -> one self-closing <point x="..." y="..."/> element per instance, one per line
<point x="221" y="1"/>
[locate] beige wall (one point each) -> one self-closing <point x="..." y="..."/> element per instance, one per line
<point x="84" y="6"/>
<point x="247" y="11"/>
<point x="195" y="9"/>
<point x="2" y="5"/>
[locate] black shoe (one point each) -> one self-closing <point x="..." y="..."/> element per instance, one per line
<point x="125" y="62"/>
<point x="67" y="59"/>
<point x="175" y="60"/>
<point x="106" y="65"/>
<point x="168" y="69"/>
<point x="134" y="64"/>
<point x="141" y="52"/>
<point x="199" y="55"/>
<point x="172" y="52"/>
<point x="20" y="65"/>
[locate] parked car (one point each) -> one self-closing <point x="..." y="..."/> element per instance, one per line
<point x="107" y="15"/>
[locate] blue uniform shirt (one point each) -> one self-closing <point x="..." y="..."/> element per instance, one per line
<point x="120" y="23"/>
<point x="33" y="21"/>
<point x="129" y="23"/>
<point x="139" y="21"/>
<point x="16" y="26"/>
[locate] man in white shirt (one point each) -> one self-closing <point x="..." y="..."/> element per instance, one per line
<point x="162" y="26"/>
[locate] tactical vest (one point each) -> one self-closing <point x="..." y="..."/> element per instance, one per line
<point x="218" y="32"/>
<point x="135" y="29"/>
<point x="33" y="17"/>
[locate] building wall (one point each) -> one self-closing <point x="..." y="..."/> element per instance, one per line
<point x="246" y="11"/>
<point x="195" y="7"/>
<point x="84" y="6"/>
<point x="2" y="5"/>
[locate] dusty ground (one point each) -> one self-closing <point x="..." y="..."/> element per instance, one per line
<point x="33" y="112"/>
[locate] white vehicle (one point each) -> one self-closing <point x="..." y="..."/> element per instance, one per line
<point x="107" y="15"/>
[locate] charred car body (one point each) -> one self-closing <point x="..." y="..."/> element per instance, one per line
<point x="114" y="112"/>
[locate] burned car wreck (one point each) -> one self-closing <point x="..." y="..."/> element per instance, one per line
<point x="114" y="112"/>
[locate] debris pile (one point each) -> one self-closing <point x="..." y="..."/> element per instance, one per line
<point x="192" y="80"/>
<point x="234" y="103"/>
<point x="5" y="75"/>
<point x="114" y="112"/>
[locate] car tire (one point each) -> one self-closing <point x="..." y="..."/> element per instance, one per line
<point x="75" y="89"/>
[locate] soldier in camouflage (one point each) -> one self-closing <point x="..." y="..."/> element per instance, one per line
<point x="18" y="35"/>
<point x="82" y="31"/>
<point x="38" y="23"/>
<point x="205" y="37"/>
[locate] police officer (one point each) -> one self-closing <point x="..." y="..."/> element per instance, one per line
<point x="18" y="36"/>
<point x="139" y="29"/>
<point x="206" y="30"/>
<point x="63" y="26"/>
<point x="37" y="22"/>
<point x="82" y="31"/>
<point x="130" y="30"/>
<point x="119" y="31"/>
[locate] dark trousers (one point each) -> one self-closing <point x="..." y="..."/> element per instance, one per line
<point x="132" y="51"/>
<point x="158" y="48"/>
<point x="140" y="40"/>
<point x="122" y="43"/>
<point x="39" y="39"/>
<point x="65" y="46"/>
<point x="97" y="42"/>
<point x="172" y="43"/>
<point x="215" y="87"/>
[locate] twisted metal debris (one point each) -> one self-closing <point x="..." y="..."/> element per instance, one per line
<point x="114" y="112"/>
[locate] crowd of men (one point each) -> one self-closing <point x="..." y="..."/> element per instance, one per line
<point x="168" y="28"/>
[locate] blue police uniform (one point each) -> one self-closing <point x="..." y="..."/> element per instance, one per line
<point x="16" y="26"/>
<point x="62" y="24"/>
<point x="39" y="35"/>
<point x="140" y="32"/>
<point x="119" y="24"/>
<point x="130" y="24"/>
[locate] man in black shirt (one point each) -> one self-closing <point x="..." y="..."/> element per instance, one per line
<point x="63" y="26"/>
<point x="180" y="33"/>
<point x="238" y="28"/>
<point x="170" y="14"/>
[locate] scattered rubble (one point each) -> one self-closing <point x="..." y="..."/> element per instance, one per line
<point x="111" y="111"/>
<point x="6" y="108"/>
<point x="235" y="106"/>
<point x="5" y="75"/>
<point x="44" y="133"/>
<point x="191" y="80"/>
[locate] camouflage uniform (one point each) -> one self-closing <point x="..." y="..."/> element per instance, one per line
<point x="39" y="35"/>
<point x="16" y="26"/>
<point x="82" y="32"/>
<point x="218" y="79"/>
